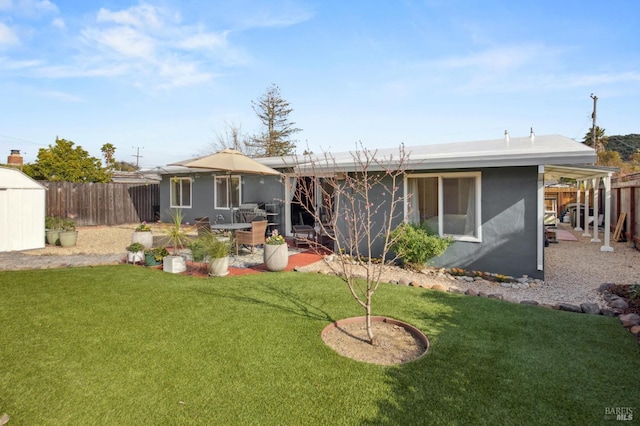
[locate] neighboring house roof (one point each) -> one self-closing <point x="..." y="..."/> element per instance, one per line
<point x="514" y="151"/>
<point x="133" y="177"/>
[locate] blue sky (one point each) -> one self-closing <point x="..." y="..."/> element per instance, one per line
<point x="166" y="75"/>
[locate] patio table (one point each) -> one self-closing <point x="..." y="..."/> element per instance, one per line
<point x="230" y="226"/>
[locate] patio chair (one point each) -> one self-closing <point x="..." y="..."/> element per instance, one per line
<point x="252" y="238"/>
<point x="303" y="234"/>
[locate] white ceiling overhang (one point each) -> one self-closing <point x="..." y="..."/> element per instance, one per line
<point x="555" y="172"/>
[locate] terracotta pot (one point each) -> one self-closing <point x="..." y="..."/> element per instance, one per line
<point x="276" y="257"/>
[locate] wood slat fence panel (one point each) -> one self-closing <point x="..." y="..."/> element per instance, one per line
<point x="109" y="204"/>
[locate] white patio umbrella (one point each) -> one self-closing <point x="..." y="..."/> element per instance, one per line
<point x="229" y="161"/>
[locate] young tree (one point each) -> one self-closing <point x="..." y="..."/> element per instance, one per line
<point x="273" y="112"/>
<point x="360" y="209"/>
<point x="63" y="162"/>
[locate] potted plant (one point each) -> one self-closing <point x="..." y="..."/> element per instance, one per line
<point x="153" y="256"/>
<point x="216" y="250"/>
<point x="276" y="252"/>
<point x="177" y="237"/>
<point x="142" y="234"/>
<point x="52" y="225"/>
<point x="135" y="253"/>
<point x="68" y="235"/>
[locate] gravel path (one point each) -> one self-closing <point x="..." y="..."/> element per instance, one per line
<point x="574" y="270"/>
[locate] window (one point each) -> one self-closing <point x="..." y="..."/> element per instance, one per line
<point x="448" y="204"/>
<point x="222" y="191"/>
<point x="180" y="192"/>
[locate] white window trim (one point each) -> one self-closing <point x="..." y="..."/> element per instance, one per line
<point x="215" y="190"/>
<point x="171" y="182"/>
<point x="478" y="181"/>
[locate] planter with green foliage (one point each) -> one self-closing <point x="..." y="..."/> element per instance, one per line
<point x="276" y="253"/>
<point x="135" y="253"/>
<point x="68" y="235"/>
<point x="154" y="256"/>
<point x="177" y="237"/>
<point x="143" y="235"/>
<point x="215" y="250"/>
<point x="414" y="245"/>
<point x="52" y="225"/>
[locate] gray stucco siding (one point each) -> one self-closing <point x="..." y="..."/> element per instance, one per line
<point x="509" y="226"/>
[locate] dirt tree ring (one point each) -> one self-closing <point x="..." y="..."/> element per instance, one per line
<point x="398" y="342"/>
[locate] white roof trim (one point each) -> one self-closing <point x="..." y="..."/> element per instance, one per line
<point x="523" y="151"/>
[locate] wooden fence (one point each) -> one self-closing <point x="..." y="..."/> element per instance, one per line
<point x="103" y="203"/>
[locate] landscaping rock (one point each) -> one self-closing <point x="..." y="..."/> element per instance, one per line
<point x="609" y="312"/>
<point x="495" y="296"/>
<point x="471" y="292"/>
<point x="604" y="288"/>
<point x="482" y="294"/>
<point x="590" y="308"/>
<point x="404" y="281"/>
<point x="455" y="290"/>
<point x="635" y="330"/>
<point x="569" y="307"/>
<point x="529" y="302"/>
<point x="438" y="287"/>
<point x="629" y="320"/>
<point x="619" y="303"/>
<point x="505" y="285"/>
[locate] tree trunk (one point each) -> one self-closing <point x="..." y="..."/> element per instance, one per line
<point x="373" y="341"/>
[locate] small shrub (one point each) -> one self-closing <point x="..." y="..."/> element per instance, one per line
<point x="135" y="247"/>
<point x="414" y="245"/>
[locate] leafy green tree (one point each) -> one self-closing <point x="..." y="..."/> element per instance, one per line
<point x="108" y="151"/>
<point x="64" y="162"/>
<point x="601" y="139"/>
<point x="273" y="112"/>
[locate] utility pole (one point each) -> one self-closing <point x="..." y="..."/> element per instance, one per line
<point x="593" y="129"/>
<point x="138" y="157"/>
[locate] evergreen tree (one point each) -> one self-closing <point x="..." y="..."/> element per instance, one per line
<point x="273" y="112"/>
<point x="63" y="162"/>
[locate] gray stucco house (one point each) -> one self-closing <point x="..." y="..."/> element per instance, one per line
<point x="487" y="195"/>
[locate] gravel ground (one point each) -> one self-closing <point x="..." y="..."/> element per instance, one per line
<point x="574" y="270"/>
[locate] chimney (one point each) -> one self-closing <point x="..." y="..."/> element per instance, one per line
<point x="15" y="159"/>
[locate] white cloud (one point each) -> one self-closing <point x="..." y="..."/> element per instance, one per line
<point x="7" y="36"/>
<point x="59" y="23"/>
<point x="121" y="41"/>
<point x="63" y="96"/>
<point x="143" y="16"/>
<point x="203" y="41"/>
<point x="29" y="8"/>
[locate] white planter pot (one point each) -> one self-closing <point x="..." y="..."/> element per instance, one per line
<point x="68" y="238"/>
<point x="135" y="256"/>
<point x="174" y="264"/>
<point x="143" y="237"/>
<point x="276" y="256"/>
<point x="219" y="266"/>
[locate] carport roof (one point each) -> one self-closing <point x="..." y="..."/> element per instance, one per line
<point x="578" y="172"/>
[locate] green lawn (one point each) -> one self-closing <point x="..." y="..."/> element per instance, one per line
<point x="129" y="345"/>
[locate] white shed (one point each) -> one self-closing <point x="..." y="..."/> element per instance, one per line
<point x="22" y="211"/>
